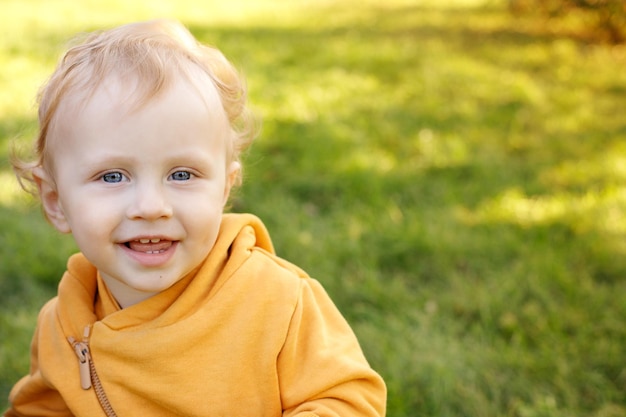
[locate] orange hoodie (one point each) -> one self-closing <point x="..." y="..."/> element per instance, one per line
<point x="246" y="334"/>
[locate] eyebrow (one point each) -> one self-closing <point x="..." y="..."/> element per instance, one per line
<point x="175" y="158"/>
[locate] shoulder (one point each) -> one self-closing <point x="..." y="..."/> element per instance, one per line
<point x="49" y="310"/>
<point x="265" y="270"/>
<point x="251" y="252"/>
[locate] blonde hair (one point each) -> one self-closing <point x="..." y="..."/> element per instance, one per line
<point x="155" y="54"/>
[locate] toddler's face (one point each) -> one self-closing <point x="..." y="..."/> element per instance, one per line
<point x="141" y="191"/>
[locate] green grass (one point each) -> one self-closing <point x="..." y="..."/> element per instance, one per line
<point x="455" y="178"/>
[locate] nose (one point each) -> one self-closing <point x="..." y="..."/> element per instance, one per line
<point x="149" y="202"/>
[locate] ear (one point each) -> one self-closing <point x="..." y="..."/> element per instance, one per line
<point x="231" y="178"/>
<point x="50" y="200"/>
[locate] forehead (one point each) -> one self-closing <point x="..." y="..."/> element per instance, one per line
<point x="124" y="98"/>
<point x="132" y="92"/>
<point x="113" y="119"/>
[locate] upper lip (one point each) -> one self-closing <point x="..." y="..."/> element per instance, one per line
<point x="149" y="238"/>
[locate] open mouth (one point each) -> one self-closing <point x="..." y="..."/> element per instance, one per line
<point x="149" y="246"/>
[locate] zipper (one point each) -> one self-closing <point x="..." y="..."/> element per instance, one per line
<point x="87" y="371"/>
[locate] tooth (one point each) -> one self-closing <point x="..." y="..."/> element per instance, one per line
<point x="155" y="240"/>
<point x="144" y="240"/>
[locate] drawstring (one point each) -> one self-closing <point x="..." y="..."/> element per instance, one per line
<point x="87" y="370"/>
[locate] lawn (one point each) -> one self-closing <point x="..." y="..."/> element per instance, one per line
<point x="454" y="176"/>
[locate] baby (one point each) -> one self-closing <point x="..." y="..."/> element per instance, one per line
<point x="171" y="307"/>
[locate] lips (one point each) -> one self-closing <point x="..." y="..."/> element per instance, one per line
<point x="149" y="245"/>
<point x="150" y="252"/>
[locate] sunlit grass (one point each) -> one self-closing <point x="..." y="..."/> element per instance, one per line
<point x="603" y="211"/>
<point x="455" y="177"/>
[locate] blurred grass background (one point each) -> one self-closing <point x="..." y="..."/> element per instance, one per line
<point x="454" y="174"/>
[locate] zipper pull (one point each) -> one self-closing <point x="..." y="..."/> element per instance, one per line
<point x="82" y="351"/>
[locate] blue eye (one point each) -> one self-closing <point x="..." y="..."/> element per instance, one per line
<point x="113" y="177"/>
<point x="181" y="176"/>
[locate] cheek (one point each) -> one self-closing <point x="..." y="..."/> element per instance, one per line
<point x="200" y="203"/>
<point x="203" y="221"/>
<point x="88" y="216"/>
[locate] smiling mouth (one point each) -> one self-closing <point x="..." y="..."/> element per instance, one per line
<point x="149" y="246"/>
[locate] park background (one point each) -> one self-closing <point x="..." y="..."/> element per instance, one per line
<point x="454" y="173"/>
